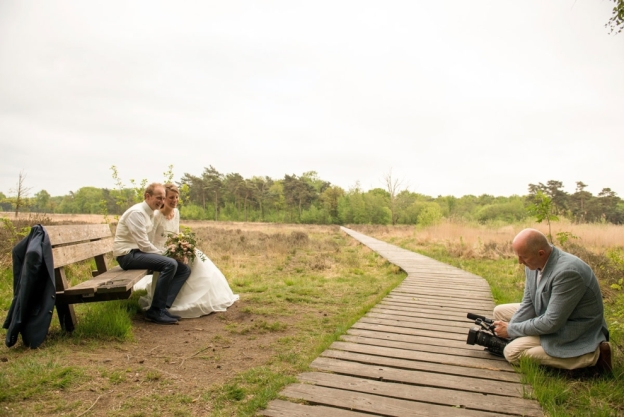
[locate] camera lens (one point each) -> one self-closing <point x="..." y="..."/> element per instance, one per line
<point x="493" y="344"/>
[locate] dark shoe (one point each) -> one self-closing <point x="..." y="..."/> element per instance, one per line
<point x="173" y="316"/>
<point x="604" y="360"/>
<point x="159" y="317"/>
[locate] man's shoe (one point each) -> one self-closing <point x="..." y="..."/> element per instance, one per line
<point x="173" y="316"/>
<point x="159" y="317"/>
<point x="604" y="360"/>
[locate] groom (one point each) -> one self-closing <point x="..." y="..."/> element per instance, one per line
<point x="134" y="250"/>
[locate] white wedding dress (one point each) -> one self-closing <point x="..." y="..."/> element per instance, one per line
<point x="206" y="290"/>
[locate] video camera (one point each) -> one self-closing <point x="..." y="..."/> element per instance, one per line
<point x="483" y="335"/>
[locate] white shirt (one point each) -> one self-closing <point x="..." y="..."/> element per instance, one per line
<point x="133" y="231"/>
<point x="540" y="271"/>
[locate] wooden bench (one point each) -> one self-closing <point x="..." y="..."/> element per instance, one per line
<point x="75" y="243"/>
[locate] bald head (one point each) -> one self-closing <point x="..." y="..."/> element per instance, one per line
<point x="532" y="248"/>
<point x="532" y="240"/>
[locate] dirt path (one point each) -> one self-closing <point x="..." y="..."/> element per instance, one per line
<point x="185" y="359"/>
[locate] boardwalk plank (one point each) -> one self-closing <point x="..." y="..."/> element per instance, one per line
<point x="443" y="301"/>
<point x="492" y="403"/>
<point x="425" y="340"/>
<point x="423" y="314"/>
<point x="462" y="288"/>
<point x="416" y="325"/>
<point x="447" y="359"/>
<point x="474" y="351"/>
<point x="279" y="408"/>
<point x="438" y="306"/>
<point x="421" y="311"/>
<point x="460" y="291"/>
<point x="373" y="403"/>
<point x="363" y="324"/>
<point x="415" y="377"/>
<point x="420" y="366"/>
<point x="461" y="325"/>
<point x="431" y="348"/>
<point x="454" y="295"/>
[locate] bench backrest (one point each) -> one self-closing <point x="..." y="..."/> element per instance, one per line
<point x="74" y="243"/>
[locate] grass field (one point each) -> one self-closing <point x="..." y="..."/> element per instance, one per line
<point x="300" y="287"/>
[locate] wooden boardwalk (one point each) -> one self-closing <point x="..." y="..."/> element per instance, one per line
<point x="408" y="356"/>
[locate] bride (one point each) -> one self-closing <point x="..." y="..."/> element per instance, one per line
<point x="206" y="289"/>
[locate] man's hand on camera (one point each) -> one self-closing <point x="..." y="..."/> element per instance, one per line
<point x="500" y="329"/>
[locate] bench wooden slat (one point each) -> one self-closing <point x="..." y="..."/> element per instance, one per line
<point x="75" y="243"/>
<point x="60" y="235"/>
<point x="65" y="255"/>
<point x="114" y="280"/>
<point x="124" y="281"/>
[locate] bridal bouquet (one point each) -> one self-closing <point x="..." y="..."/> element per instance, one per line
<point x="181" y="246"/>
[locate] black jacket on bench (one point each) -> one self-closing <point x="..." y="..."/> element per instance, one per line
<point x="34" y="289"/>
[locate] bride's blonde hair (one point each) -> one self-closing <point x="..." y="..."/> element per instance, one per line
<point x="170" y="187"/>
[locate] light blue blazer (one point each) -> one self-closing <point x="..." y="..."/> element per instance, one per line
<point x="565" y="309"/>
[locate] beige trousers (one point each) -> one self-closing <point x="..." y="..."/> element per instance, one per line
<point x="531" y="347"/>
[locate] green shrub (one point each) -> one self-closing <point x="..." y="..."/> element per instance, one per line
<point x="508" y="212"/>
<point x="192" y="212"/>
<point x="430" y="215"/>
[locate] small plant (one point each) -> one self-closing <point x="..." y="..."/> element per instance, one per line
<point x="564" y="237"/>
<point x="117" y="377"/>
<point x="542" y="208"/>
<point x="14" y="234"/>
<point x="276" y="326"/>
<point x="153" y="376"/>
<point x="127" y="197"/>
<point x="616" y="256"/>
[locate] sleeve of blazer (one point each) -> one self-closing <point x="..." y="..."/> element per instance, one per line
<point x="42" y="296"/>
<point x="566" y="292"/>
<point x="34" y="290"/>
<point x="18" y="253"/>
<point x="26" y="264"/>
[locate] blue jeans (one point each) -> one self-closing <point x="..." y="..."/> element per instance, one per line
<point x="173" y="274"/>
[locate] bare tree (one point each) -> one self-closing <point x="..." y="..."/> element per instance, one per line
<point x="21" y="193"/>
<point x="393" y="187"/>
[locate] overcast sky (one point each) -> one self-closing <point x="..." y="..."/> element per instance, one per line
<point x="455" y="97"/>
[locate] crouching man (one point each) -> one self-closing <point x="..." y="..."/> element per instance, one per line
<point x="560" y="321"/>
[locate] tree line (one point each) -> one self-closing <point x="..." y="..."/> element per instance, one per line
<point x="307" y="198"/>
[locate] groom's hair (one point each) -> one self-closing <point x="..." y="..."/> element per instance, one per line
<point x="150" y="188"/>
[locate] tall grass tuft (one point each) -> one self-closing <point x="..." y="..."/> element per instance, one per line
<point x="110" y="320"/>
